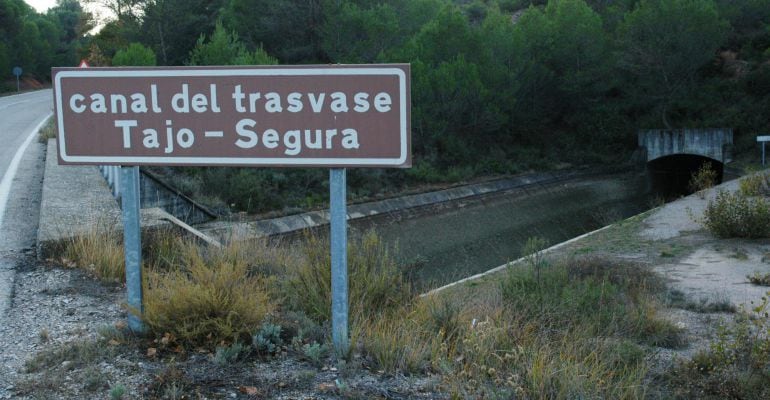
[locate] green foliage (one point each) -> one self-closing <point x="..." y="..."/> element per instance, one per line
<point x="259" y="189"/>
<point x="36" y="42"/>
<point x="134" y="55"/>
<point x="498" y="87"/>
<point x="170" y="27"/>
<point x="734" y="215"/>
<point x="288" y="29"/>
<point x="117" y="391"/>
<point x="360" y="36"/>
<point x="664" y="44"/>
<point x="315" y="352"/>
<point x="224" y="48"/>
<point x="268" y="339"/>
<point x="565" y="55"/>
<point x="226" y="355"/>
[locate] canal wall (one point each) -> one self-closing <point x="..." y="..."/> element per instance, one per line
<point x="225" y="231"/>
<point x="155" y="193"/>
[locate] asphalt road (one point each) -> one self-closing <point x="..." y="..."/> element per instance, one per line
<point x="21" y="176"/>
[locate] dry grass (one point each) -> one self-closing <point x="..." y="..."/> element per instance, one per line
<point x="376" y="281"/>
<point x="704" y="178"/>
<point x="578" y="329"/>
<point x="210" y="296"/>
<point x="99" y="252"/>
<point x="572" y="330"/>
<point x="735" y="366"/>
<point x="47" y="132"/>
<point x="397" y="341"/>
<point x="755" y="184"/>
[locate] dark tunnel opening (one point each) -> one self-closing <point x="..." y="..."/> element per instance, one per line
<point x="670" y="176"/>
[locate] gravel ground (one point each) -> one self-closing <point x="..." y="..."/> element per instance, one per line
<point x="51" y="307"/>
<point x="63" y="314"/>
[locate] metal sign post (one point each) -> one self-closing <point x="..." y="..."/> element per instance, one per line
<point x="132" y="242"/>
<point x="763" y="140"/>
<point x="339" y="258"/>
<point x="17" y="71"/>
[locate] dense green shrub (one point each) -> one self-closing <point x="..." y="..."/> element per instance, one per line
<point x="735" y="215"/>
<point x="134" y="55"/>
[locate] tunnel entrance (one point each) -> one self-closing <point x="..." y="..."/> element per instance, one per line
<point x="670" y="176"/>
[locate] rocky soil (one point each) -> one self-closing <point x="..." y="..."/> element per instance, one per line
<point x="64" y="338"/>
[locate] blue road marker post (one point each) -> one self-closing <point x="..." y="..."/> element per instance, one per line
<point x="339" y="258"/>
<point x="17" y="71"/>
<point x="132" y="243"/>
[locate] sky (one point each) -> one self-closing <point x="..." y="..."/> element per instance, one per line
<point x="41" y="5"/>
<point x="99" y="11"/>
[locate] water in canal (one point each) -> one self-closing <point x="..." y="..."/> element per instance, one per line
<point x="450" y="241"/>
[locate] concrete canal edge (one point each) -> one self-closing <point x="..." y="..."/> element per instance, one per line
<point x="512" y="263"/>
<point x="226" y="231"/>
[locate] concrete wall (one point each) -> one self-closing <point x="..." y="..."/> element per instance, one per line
<point x="712" y="143"/>
<point x="155" y="193"/>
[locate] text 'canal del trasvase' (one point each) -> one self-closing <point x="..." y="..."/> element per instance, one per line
<point x="288" y="116"/>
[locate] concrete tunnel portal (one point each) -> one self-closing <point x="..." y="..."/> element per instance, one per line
<point x="674" y="156"/>
<point x="670" y="176"/>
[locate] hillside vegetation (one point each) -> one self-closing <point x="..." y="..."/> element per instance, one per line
<point x="498" y="86"/>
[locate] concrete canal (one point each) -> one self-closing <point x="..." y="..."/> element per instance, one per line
<point x="450" y="237"/>
<point x="449" y="241"/>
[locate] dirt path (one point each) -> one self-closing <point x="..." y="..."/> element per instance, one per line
<point x="715" y="270"/>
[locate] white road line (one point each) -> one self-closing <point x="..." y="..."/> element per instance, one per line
<point x="5" y="184"/>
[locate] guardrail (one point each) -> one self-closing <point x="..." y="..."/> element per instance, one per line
<point x="111" y="174"/>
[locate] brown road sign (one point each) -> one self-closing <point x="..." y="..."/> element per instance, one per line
<point x="329" y="116"/>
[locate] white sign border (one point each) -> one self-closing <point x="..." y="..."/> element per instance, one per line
<point x="223" y="161"/>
